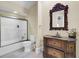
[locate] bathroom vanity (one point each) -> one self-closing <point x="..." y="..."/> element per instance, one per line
<point x="55" y="47"/>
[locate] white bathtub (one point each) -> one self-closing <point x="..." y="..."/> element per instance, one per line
<point x="10" y="48"/>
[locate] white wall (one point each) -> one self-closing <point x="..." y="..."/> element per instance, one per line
<point x="39" y="29"/>
<point x="73" y="19"/>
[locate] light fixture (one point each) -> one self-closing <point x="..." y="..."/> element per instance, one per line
<point x="15" y="12"/>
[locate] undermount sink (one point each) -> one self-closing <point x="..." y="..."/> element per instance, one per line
<point x="57" y="36"/>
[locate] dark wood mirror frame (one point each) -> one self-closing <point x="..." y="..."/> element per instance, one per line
<point x="59" y="7"/>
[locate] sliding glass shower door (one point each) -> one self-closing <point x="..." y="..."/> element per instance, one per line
<point x="12" y="31"/>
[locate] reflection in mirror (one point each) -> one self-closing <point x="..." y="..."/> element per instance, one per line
<point x="58" y="19"/>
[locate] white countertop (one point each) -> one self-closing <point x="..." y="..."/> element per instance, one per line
<point x="62" y="38"/>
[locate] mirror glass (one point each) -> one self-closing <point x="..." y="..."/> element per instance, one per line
<point x="58" y="19"/>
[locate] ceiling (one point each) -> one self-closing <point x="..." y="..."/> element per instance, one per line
<point x="25" y="4"/>
<point x="22" y="7"/>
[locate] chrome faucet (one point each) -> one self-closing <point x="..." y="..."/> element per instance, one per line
<point x="57" y="34"/>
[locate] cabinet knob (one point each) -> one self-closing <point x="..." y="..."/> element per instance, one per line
<point x="71" y="47"/>
<point x="53" y="53"/>
<point x="54" y="43"/>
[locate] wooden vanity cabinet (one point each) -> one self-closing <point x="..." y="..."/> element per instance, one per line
<point x="58" y="48"/>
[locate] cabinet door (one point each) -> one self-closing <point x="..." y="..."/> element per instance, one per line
<point x="55" y="53"/>
<point x="56" y="43"/>
<point x="70" y="47"/>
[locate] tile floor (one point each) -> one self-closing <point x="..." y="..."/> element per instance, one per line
<point x="21" y="54"/>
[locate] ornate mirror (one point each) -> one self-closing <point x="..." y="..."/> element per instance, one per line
<point x="58" y="17"/>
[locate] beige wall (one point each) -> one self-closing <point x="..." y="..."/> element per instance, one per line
<point x="73" y="19"/>
<point x="32" y="21"/>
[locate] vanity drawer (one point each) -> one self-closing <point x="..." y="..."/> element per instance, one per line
<point x="56" y="43"/>
<point x="55" y="53"/>
<point x="70" y="48"/>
